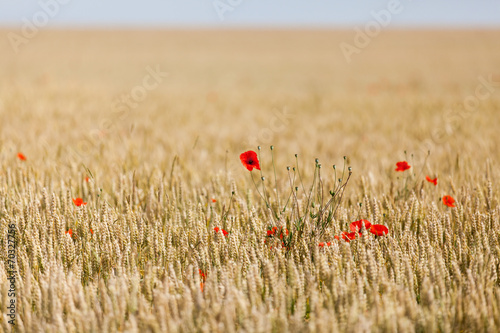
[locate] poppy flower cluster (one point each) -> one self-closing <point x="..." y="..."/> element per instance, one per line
<point x="356" y="227"/>
<point x="79" y="202"/>
<point x="217" y="229"/>
<point x="278" y="232"/>
<point x="275" y="231"/>
<point x="249" y="160"/>
<point x="447" y="200"/>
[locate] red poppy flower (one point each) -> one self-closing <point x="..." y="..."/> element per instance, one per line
<point x="434" y="181"/>
<point x="70" y="232"/>
<point x="216" y="229"/>
<point x="329" y="243"/>
<point x="21" y="156"/>
<point x="78" y="202"/>
<point x="379" y="229"/>
<point x="87" y="179"/>
<point x="203" y="278"/>
<point x="202" y="275"/>
<point x="213" y="200"/>
<point x="357" y="225"/>
<point x="91" y="231"/>
<point x="269" y="232"/>
<point x="347" y="236"/>
<point x="225" y="232"/>
<point x="321" y="244"/>
<point x="449" y="201"/>
<point x="249" y="160"/>
<point x="402" y="166"/>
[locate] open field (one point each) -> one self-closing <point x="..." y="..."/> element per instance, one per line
<point x="157" y="120"/>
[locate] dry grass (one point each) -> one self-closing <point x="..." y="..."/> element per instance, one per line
<point x="154" y="170"/>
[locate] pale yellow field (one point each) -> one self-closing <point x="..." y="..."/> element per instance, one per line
<point x="155" y="164"/>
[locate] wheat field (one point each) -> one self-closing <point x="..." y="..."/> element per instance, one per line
<point x="147" y="127"/>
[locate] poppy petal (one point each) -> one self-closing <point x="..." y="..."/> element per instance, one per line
<point x="249" y="160"/>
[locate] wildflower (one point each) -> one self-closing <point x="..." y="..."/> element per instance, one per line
<point x="449" y="201"/>
<point x="357" y="225"/>
<point x="87" y="179"/>
<point x="213" y="200"/>
<point x="347" y="236"/>
<point x="216" y="229"/>
<point x="328" y="243"/>
<point x="249" y="160"/>
<point x="269" y="233"/>
<point x="402" y="166"/>
<point x="434" y="181"/>
<point x="379" y="230"/>
<point x="21" y="156"/>
<point x="70" y="232"/>
<point x="203" y="278"/>
<point x="78" y="202"/>
<point x="321" y="244"/>
<point x="225" y="232"/>
<point x="91" y="231"/>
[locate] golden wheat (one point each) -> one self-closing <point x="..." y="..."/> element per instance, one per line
<point x="143" y="254"/>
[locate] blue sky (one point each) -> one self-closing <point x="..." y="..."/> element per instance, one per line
<point x="247" y="13"/>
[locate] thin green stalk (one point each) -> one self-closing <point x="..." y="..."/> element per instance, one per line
<point x="275" y="179"/>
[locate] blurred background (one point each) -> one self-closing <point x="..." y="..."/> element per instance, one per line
<point x="128" y="84"/>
